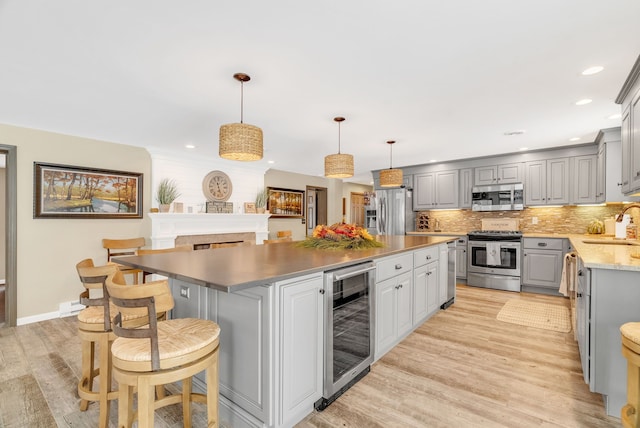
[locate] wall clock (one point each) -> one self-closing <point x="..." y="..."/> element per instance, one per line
<point x="216" y="186"/>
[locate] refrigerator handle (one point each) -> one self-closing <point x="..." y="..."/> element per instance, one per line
<point x="382" y="214"/>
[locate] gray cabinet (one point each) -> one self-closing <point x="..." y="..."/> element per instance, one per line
<point x="425" y="284"/>
<point x="629" y="99"/>
<point x="583" y="316"/>
<point x="435" y="190"/>
<point x="585" y="179"/>
<point x="625" y="139"/>
<point x="498" y="174"/>
<point x="612" y="300"/>
<point x="466" y="184"/>
<point x="300" y="356"/>
<point x="547" y="182"/>
<point x="393" y="312"/>
<point x="601" y="173"/>
<point x="542" y="262"/>
<point x="461" y="257"/>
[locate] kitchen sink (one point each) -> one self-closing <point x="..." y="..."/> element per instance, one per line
<point x="610" y="242"/>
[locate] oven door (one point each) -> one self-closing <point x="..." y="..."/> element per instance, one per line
<point x="494" y="257"/>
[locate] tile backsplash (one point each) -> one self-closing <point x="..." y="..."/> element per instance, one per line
<point x="568" y="219"/>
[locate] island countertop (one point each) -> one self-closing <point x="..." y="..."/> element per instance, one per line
<point x="236" y="268"/>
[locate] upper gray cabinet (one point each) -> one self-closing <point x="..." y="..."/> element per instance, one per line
<point x="435" y="190"/>
<point x="629" y="98"/>
<point x="466" y="184"/>
<point x="546" y="182"/>
<point x="585" y="179"/>
<point x="498" y="174"/>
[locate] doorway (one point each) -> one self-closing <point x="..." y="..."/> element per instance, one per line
<point x="357" y="209"/>
<point x="316" y="208"/>
<point x="8" y="230"/>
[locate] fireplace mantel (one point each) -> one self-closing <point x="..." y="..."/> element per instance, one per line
<point x="165" y="227"/>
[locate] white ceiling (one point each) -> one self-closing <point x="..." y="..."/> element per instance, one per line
<point x="445" y="79"/>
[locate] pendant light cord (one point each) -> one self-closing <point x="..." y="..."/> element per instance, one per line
<point x="338" y="137"/>
<point x="390" y="156"/>
<point x="241" y="101"/>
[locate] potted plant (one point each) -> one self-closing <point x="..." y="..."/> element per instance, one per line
<point x="167" y="193"/>
<point x="261" y="200"/>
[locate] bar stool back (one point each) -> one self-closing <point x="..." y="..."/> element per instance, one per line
<point x="631" y="351"/>
<point x="162" y="353"/>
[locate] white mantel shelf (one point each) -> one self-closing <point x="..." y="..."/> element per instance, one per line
<point x="165" y="227"/>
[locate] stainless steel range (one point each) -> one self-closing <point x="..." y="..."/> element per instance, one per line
<point x="494" y="259"/>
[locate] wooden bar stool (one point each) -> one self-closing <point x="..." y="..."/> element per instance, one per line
<point x="164" y="352"/>
<point x="631" y="351"/>
<point x="94" y="327"/>
<point x="124" y="247"/>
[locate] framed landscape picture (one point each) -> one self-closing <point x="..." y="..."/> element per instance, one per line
<point x="285" y="202"/>
<point x="64" y="191"/>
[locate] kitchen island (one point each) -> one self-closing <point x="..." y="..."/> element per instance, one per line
<point x="268" y="301"/>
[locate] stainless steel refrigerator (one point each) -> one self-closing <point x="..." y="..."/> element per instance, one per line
<point x="394" y="212"/>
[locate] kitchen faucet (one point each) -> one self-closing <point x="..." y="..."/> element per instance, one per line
<point x="624" y="210"/>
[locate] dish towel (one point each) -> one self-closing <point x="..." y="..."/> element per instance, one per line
<point x="493" y="254"/>
<point x="569" y="268"/>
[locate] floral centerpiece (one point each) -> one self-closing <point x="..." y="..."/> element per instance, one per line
<point x="341" y="236"/>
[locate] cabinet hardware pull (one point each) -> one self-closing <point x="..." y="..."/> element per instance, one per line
<point x="398" y="266"/>
<point x="428" y="257"/>
<point x="637" y="173"/>
<point x="619" y="184"/>
<point x="580" y="272"/>
<point x="579" y="295"/>
<point x="321" y="291"/>
<point x="542" y="244"/>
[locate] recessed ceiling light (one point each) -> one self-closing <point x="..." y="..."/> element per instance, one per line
<point x="615" y="116"/>
<point x="190" y="146"/>
<point x="271" y="162"/>
<point x="433" y="160"/>
<point x="522" y="149"/>
<point x="518" y="132"/>
<point x="574" y="139"/>
<point x="592" y="70"/>
<point x="583" y="102"/>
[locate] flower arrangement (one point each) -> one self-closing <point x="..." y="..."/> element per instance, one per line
<point x="340" y="236"/>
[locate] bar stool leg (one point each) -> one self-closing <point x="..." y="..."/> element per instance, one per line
<point x="105" y="380"/>
<point x="125" y="405"/>
<point x="88" y="369"/>
<point x="630" y="410"/>
<point x="146" y="398"/>
<point x="186" y="401"/>
<point x="212" y="393"/>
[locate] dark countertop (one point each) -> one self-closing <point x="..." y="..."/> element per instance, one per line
<point x="236" y="268"/>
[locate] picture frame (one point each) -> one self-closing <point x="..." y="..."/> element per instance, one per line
<point x="250" y="208"/>
<point x="66" y="191"/>
<point x="285" y="203"/>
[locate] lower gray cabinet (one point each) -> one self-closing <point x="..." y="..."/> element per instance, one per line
<point x="393" y="311"/>
<point x="542" y="264"/>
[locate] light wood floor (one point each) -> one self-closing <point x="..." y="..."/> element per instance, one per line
<point x="462" y="368"/>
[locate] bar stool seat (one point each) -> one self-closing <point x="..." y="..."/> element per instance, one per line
<point x="163" y="352"/>
<point x="631" y="351"/>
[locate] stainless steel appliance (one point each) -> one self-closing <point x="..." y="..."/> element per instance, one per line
<point x="498" y="197"/>
<point x="394" y="210"/>
<point x="494" y="259"/>
<point x="451" y="275"/>
<point x="348" y="341"/>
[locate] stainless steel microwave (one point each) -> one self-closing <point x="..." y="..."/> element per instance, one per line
<point x="498" y="197"/>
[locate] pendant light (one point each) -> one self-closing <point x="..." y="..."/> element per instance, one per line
<point x="239" y="141"/>
<point x="391" y="177"/>
<point x="339" y="165"/>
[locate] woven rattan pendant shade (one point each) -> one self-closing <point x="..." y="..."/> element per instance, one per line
<point x="239" y="141"/>
<point x="391" y="177"/>
<point x="338" y="165"/>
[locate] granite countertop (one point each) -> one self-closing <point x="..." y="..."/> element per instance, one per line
<point x="593" y="255"/>
<point x="236" y="268"/>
